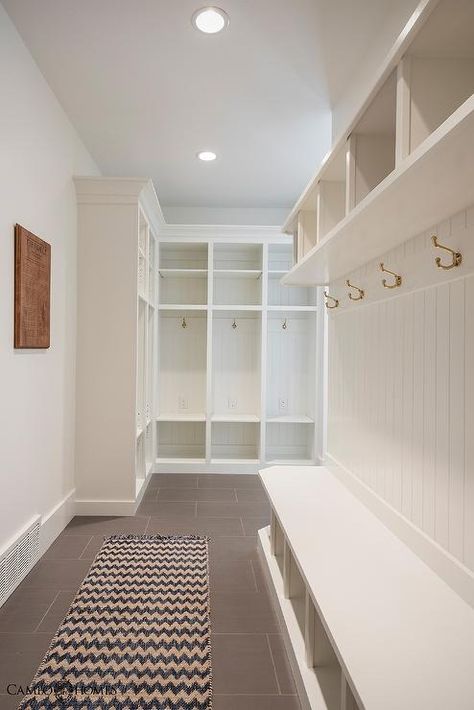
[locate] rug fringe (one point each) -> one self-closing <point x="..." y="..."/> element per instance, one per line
<point x="157" y="537"/>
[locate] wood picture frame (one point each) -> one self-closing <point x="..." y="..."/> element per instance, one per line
<point x="32" y="290"/>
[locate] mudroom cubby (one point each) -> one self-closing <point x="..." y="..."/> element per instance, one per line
<point x="240" y="287"/>
<point x="236" y="363"/>
<point x="237" y="257"/>
<point x="290" y="441"/>
<point x="291" y="366"/>
<point x="238" y="441"/>
<point x="182" y="364"/>
<point x="181" y="440"/>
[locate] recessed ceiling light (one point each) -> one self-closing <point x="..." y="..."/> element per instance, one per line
<point x="210" y="20"/>
<point x="206" y="155"/>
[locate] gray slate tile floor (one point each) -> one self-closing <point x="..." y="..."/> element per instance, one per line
<point x="250" y="666"/>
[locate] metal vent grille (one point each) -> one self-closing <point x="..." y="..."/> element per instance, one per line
<point x="17" y="561"/>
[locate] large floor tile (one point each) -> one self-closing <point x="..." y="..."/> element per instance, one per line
<point x="245" y="495"/>
<point x="231" y="576"/>
<point x="223" y="549"/>
<point x="67" y="547"/>
<point x="58" y="610"/>
<point x="195" y="494"/>
<point x="209" y="527"/>
<point x="89" y="525"/>
<point x="242" y="663"/>
<point x="253" y="525"/>
<point x="25" y="609"/>
<point x="173" y="480"/>
<point x="255" y="702"/>
<point x="230" y="480"/>
<point x="60" y="575"/>
<point x="233" y="510"/>
<point x="242" y="612"/>
<point x="166" y="510"/>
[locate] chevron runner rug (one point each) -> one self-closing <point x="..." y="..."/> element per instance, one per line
<point x="137" y="636"/>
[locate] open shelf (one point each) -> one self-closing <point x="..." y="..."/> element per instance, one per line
<point x="176" y="289"/>
<point x="181" y="440"/>
<point x="238" y="257"/>
<point x="183" y="361"/>
<point x="182" y="307"/>
<point x="289" y="441"/>
<point x="183" y="255"/>
<point x="440" y="68"/>
<point x="243" y="287"/>
<point x="436" y="180"/>
<point x="236" y="363"/>
<point x="331" y="193"/>
<point x="235" y="441"/>
<point x="181" y="417"/>
<point x="235" y="418"/>
<point x="372" y="142"/>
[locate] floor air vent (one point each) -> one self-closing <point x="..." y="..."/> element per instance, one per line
<point x="18" y="559"/>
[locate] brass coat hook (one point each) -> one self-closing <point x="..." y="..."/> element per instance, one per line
<point x="234" y="324"/>
<point x="456" y="255"/>
<point x="397" y="277"/>
<point x="334" y="301"/>
<point x="361" y="293"/>
<point x="285" y="324"/>
<point x="183" y="323"/>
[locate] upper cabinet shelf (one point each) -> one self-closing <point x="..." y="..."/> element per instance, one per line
<point x="404" y="162"/>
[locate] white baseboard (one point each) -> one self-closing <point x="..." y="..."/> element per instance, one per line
<point x="54" y="522"/>
<point x="113" y="508"/>
<point x="454" y="573"/>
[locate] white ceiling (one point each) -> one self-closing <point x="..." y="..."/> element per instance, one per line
<point x="146" y="91"/>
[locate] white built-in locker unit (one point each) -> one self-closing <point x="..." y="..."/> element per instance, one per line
<point x="237" y="354"/>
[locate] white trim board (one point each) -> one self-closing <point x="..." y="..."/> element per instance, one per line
<point x="453" y="572"/>
<point x="54" y="522"/>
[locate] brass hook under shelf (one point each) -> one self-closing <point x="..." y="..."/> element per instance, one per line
<point x="456" y="255"/>
<point x="285" y="324"/>
<point x="335" y="301"/>
<point x="398" y="278"/>
<point x="360" y="291"/>
<point x="234" y="324"/>
<point x="183" y="323"/>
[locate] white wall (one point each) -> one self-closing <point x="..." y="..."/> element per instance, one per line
<point x="401" y="386"/>
<point x="39" y="154"/>
<point x="360" y="79"/>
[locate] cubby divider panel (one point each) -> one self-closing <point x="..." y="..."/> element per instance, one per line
<point x="322" y="657"/>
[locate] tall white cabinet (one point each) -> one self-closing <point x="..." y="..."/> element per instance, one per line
<point x="236" y="355"/>
<point x="118" y="223"/>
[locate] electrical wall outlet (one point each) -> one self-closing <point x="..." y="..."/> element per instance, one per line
<point x="182" y="403"/>
<point x="283" y="403"/>
<point x="232" y="403"/>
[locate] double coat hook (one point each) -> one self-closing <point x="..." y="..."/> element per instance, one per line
<point x="397" y="277"/>
<point x="330" y="301"/>
<point x="456" y="256"/>
<point x="360" y="292"/>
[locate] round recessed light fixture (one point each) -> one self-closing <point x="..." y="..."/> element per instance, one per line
<point x="210" y="20"/>
<point x="207" y="156"/>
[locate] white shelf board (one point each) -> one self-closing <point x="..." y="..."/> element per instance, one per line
<point x="183" y="273"/>
<point x="290" y="462"/>
<point x="235" y="461"/>
<point x="181" y="307"/>
<point x="237" y="308"/>
<point x="238" y="273"/>
<point x="399" y="617"/>
<point x="176" y="460"/>
<point x="295" y="309"/>
<point x="235" y="418"/>
<point x="434" y="181"/>
<point x="276" y="273"/>
<point x="181" y="417"/>
<point x="290" y="419"/>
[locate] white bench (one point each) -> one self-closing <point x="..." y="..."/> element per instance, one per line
<point x="369" y="624"/>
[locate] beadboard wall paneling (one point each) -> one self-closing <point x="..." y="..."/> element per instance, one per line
<point x="401" y="387"/>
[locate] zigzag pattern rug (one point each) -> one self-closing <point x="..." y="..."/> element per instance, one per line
<point x="137" y="636"/>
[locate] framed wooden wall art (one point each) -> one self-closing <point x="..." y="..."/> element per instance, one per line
<point x="32" y="290"/>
